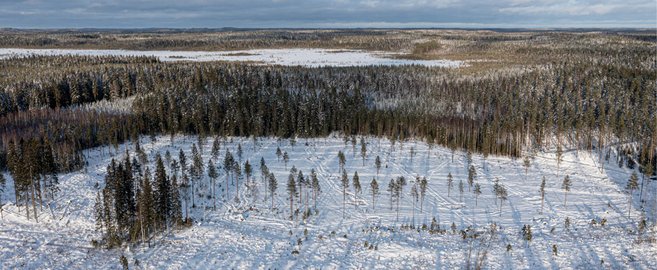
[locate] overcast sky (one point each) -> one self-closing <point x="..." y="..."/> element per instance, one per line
<point x="326" y="14"/>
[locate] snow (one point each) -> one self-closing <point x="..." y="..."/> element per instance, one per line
<point x="247" y="234"/>
<point x="285" y="57"/>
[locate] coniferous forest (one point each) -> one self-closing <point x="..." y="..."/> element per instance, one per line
<point x="517" y="95"/>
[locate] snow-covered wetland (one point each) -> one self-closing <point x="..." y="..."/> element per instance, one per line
<point x="356" y="230"/>
<point x="285" y="57"/>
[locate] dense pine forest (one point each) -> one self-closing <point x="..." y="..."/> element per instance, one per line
<point x="586" y="96"/>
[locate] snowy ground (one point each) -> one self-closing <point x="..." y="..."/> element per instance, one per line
<point x="250" y="235"/>
<point x="285" y="57"/>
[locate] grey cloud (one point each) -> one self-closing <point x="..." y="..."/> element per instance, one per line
<point x="337" y="13"/>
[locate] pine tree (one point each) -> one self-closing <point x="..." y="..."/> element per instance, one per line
<point x="374" y="189"/>
<point x="559" y="157"/>
<point x="315" y="186"/>
<point x="162" y="194"/>
<point x="237" y="174"/>
<point x="239" y="152"/>
<point x="273" y="185"/>
<point x="423" y="192"/>
<point x="176" y="206"/>
<point x="286" y="158"/>
<point x="398" y="189"/>
<point x="248" y="171"/>
<point x="213" y="174"/>
<point x="264" y="173"/>
<point x="356" y="183"/>
<point x="3" y="182"/>
<point x="146" y="202"/>
<point x="228" y="166"/>
<point x="301" y="181"/>
<point x="292" y="193"/>
<point x="341" y="160"/>
<point x="391" y="191"/>
<point x="461" y="190"/>
<point x="565" y="185"/>
<point x="632" y="185"/>
<point x="363" y="150"/>
<point x="477" y="192"/>
<point x="542" y="191"/>
<point x="345" y="185"/>
<point x="450" y="183"/>
<point x="415" y="195"/>
<point x="216" y="145"/>
<point x="503" y="197"/>
<point x="526" y="162"/>
<point x="196" y="170"/>
<point x="412" y="153"/>
<point x="472" y="173"/>
<point x="377" y="163"/>
<point x="98" y="211"/>
<point x="279" y="153"/>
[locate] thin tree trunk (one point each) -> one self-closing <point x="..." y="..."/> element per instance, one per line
<point x="565" y="199"/>
<point x="629" y="211"/>
<point x="34" y="202"/>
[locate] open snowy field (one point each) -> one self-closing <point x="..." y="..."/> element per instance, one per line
<point x="248" y="234"/>
<point x="285" y="57"/>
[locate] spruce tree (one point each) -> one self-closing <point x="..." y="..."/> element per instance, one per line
<point x="213" y="174"/>
<point x="176" y="207"/>
<point x="228" y="167"/>
<point x="632" y="185"/>
<point x="374" y="190"/>
<point x="377" y="163"/>
<point x="162" y="194"/>
<point x="341" y="160"/>
<point x="565" y="185"/>
<point x="273" y="185"/>
<point x="315" y="186"/>
<point x="279" y="153"/>
<point x="292" y="193"/>
<point x="286" y="158"/>
<point x="450" y="183"/>
<point x="477" y="192"/>
<point x="461" y="190"/>
<point x="472" y="173"/>
<point x="423" y="192"/>
<point x="345" y="185"/>
<point x="542" y="191"/>
<point x="356" y="183"/>
<point x="215" y="148"/>
<point x="363" y="150"/>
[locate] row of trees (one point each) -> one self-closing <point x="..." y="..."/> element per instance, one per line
<point x="501" y="114"/>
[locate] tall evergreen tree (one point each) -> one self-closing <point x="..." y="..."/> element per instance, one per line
<point x="450" y="183"/>
<point x="565" y="185"/>
<point x="423" y="192"/>
<point x="162" y="194"/>
<point x="345" y="185"/>
<point x="632" y="185"/>
<point x="374" y="190"/>
<point x="273" y="185"/>
<point x="292" y="193"/>
<point x="542" y="191"/>
<point x="315" y="186"/>
<point x="363" y="150"/>
<point x="212" y="173"/>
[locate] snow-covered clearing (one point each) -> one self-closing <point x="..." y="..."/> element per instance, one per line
<point x="250" y="235"/>
<point x="285" y="57"/>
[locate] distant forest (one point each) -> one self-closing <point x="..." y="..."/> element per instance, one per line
<point x="526" y="91"/>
